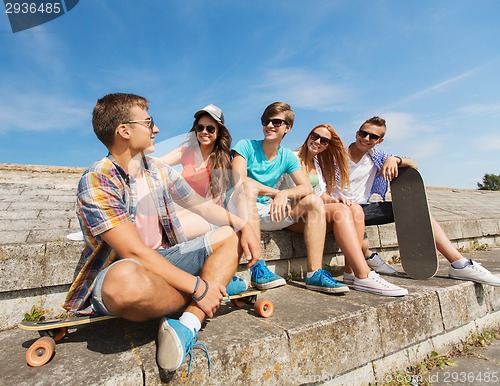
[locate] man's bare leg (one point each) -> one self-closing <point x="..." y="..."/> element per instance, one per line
<point x="136" y="294"/>
<point x="221" y="264"/>
<point x="310" y="216"/>
<point x="443" y="243"/>
<point x="176" y="337"/>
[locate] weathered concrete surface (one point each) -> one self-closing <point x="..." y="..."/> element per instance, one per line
<point x="37" y="212"/>
<point x="348" y="339"/>
<point x="313" y="338"/>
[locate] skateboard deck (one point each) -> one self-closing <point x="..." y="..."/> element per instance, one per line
<point x="72" y="321"/>
<point x="52" y="331"/>
<point x="416" y="242"/>
<point x="262" y="307"/>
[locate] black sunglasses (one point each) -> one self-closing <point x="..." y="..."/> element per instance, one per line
<point x="363" y="134"/>
<point x="276" y="122"/>
<point x="210" y="129"/>
<point x="323" y="140"/>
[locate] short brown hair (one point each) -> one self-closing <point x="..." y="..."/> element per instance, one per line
<point x="376" y="121"/>
<point x="278" y="108"/>
<point x="112" y="110"/>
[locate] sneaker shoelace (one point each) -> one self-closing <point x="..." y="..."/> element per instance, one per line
<point x="263" y="271"/>
<point x="478" y="267"/>
<point x="326" y="276"/>
<point x="190" y="350"/>
<point x="382" y="281"/>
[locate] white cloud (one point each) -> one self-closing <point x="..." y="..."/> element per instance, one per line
<point x="428" y="148"/>
<point x="304" y="89"/>
<point x="488" y="143"/>
<point x="482" y="109"/>
<point x="23" y="111"/>
<point x="403" y="126"/>
<point x="434" y="89"/>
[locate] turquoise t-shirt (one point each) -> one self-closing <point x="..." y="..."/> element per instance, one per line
<point x="260" y="169"/>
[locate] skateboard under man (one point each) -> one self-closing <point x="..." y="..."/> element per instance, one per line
<point x="52" y="331"/>
<point x="417" y="246"/>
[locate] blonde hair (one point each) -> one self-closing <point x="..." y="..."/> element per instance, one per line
<point x="333" y="160"/>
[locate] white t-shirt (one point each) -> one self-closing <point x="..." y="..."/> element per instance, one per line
<point x="361" y="176"/>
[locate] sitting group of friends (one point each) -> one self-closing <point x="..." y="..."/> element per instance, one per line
<point x="160" y="241"/>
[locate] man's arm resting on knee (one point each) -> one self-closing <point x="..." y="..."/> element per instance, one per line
<point x="125" y="240"/>
<point x="217" y="215"/>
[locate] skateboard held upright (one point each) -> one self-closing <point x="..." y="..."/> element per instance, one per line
<point x="416" y="242"/>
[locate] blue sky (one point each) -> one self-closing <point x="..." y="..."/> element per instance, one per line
<point x="430" y="68"/>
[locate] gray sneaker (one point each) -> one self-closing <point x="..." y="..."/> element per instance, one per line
<point x="474" y="272"/>
<point x="376" y="263"/>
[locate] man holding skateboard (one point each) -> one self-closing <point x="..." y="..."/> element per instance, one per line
<point x="371" y="170"/>
<point x="139" y="264"/>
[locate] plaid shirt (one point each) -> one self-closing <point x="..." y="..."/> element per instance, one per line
<point x="107" y="197"/>
<point x="380" y="186"/>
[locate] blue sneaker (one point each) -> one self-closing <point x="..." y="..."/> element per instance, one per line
<point x="323" y="281"/>
<point x="175" y="341"/>
<point x="263" y="278"/>
<point x="236" y="286"/>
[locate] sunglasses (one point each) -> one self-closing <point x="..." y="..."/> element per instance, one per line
<point x="276" y="122"/>
<point x="150" y="121"/>
<point x="199" y="128"/>
<point x="323" y="140"/>
<point x="363" y="134"/>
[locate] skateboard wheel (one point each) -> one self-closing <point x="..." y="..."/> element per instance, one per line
<point x="238" y="302"/>
<point x="60" y="333"/>
<point x="40" y="352"/>
<point x="264" y="308"/>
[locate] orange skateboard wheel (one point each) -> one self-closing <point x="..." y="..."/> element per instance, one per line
<point x="40" y="352"/>
<point x="238" y="302"/>
<point x="264" y="308"/>
<point x="60" y="333"/>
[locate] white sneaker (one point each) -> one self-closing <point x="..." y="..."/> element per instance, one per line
<point x="376" y="263"/>
<point x="474" y="272"/>
<point x="349" y="278"/>
<point x="376" y="285"/>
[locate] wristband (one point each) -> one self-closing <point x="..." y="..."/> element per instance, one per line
<point x="197" y="299"/>
<point x="400" y="160"/>
<point x="196" y="285"/>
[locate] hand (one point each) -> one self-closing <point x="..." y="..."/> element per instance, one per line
<point x="250" y="245"/>
<point x="344" y="201"/>
<point x="211" y="301"/>
<point x="389" y="169"/>
<point x="327" y="199"/>
<point x="280" y="207"/>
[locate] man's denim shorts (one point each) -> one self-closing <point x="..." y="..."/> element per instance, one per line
<point x="188" y="256"/>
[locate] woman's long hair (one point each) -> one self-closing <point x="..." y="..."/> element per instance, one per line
<point x="333" y="160"/>
<point x="219" y="161"/>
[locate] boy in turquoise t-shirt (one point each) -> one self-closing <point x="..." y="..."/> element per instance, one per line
<point x="257" y="166"/>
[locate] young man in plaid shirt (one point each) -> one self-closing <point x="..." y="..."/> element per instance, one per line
<point x="139" y="264"/>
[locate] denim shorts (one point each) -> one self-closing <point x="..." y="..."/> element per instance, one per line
<point x="189" y="256"/>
